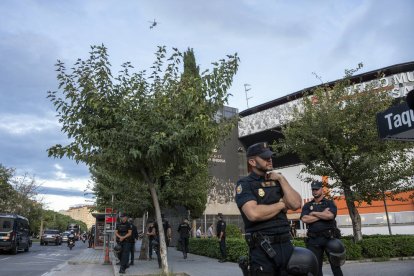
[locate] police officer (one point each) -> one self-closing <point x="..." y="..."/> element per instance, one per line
<point x="151" y="236"/>
<point x="133" y="238"/>
<point x="123" y="235"/>
<point x="184" y="231"/>
<point x="263" y="198"/>
<point x="221" y="235"/>
<point x="319" y="214"/>
<point x="167" y="230"/>
<point x="156" y="243"/>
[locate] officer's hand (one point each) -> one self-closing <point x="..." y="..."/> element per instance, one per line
<point x="281" y="205"/>
<point x="274" y="175"/>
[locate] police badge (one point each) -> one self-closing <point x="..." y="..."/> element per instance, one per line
<point x="239" y="189"/>
<point x="311" y="207"/>
<point x="261" y="192"/>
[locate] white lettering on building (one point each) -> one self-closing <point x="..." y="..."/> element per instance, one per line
<point x="398" y="120"/>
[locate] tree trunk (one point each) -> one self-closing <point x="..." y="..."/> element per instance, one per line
<point x="163" y="248"/>
<point x="354" y="214"/>
<point x="143" y="255"/>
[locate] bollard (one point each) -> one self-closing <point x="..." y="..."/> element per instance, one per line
<point x="106" y="259"/>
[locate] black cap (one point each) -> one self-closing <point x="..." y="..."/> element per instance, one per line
<point x="259" y="149"/>
<point x="316" y="185"/>
<point x="220" y="215"/>
<point x="122" y="215"/>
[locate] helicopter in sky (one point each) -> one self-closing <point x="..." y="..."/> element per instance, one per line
<point x="153" y="24"/>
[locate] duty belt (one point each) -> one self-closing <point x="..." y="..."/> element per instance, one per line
<point x="257" y="238"/>
<point x="326" y="233"/>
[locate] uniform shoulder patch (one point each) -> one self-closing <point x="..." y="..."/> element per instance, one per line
<point x="239" y="189"/>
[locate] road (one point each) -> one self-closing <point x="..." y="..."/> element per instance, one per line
<point x="39" y="259"/>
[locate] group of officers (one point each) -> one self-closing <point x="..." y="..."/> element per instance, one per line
<point x="263" y="198"/>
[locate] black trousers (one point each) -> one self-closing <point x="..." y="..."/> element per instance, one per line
<point x="125" y="250"/>
<point x="318" y="246"/>
<point x="261" y="264"/>
<point x="150" y="248"/>
<point x="132" y="251"/>
<point x="184" y="245"/>
<point x="223" y="248"/>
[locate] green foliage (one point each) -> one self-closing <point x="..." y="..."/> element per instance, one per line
<point x="353" y="250"/>
<point x="55" y="220"/>
<point x="233" y="231"/>
<point x="378" y="247"/>
<point x="388" y="247"/>
<point x="157" y="128"/>
<point x="18" y="196"/>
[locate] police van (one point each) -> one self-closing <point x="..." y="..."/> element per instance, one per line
<point x="14" y="233"/>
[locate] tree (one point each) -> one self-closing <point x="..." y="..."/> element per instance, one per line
<point x="19" y="196"/>
<point x="145" y="128"/>
<point x="334" y="133"/>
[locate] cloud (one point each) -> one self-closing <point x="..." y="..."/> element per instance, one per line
<point x="63" y="202"/>
<point x="24" y="124"/>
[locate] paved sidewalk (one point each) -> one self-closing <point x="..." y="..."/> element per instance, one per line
<point x="89" y="262"/>
<point x="194" y="265"/>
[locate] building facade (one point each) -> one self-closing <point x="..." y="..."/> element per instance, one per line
<point x="263" y="123"/>
<point x="82" y="213"/>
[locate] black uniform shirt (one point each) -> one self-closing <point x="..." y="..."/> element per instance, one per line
<point x="320" y="225"/>
<point x="221" y="227"/>
<point x="122" y="229"/>
<point x="151" y="237"/>
<point x="184" y="230"/>
<point x="253" y="187"/>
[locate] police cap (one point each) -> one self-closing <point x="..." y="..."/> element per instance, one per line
<point x="259" y="149"/>
<point x="315" y="185"/>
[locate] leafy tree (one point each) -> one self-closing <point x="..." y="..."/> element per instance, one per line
<point x="19" y="196"/>
<point x="145" y="128"/>
<point x="334" y="133"/>
<point x="8" y="193"/>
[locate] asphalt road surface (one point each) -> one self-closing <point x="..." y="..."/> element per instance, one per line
<point x="39" y="259"/>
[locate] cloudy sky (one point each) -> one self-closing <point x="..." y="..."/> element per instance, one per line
<point x="280" y="43"/>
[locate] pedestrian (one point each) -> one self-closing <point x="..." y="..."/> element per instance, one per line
<point x="319" y="214"/>
<point x="263" y="198"/>
<point x="91" y="237"/>
<point x="221" y="235"/>
<point x="123" y="235"/>
<point x="167" y="230"/>
<point x="210" y="232"/>
<point x="156" y="242"/>
<point x="151" y="236"/>
<point x="198" y="232"/>
<point x="184" y="230"/>
<point x="134" y="237"/>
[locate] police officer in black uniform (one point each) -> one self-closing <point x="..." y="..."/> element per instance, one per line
<point x="133" y="238"/>
<point x="319" y="214"/>
<point x="156" y="243"/>
<point x="263" y="198"/>
<point x="184" y="229"/>
<point x="123" y="235"/>
<point x="167" y="230"/>
<point x="221" y="235"/>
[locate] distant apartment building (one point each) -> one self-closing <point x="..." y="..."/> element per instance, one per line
<point x="82" y="213"/>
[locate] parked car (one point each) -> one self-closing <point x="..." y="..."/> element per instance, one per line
<point x="65" y="236"/>
<point x="51" y="236"/>
<point x="14" y="233"/>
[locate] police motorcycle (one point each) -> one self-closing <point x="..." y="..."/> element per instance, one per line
<point x="71" y="240"/>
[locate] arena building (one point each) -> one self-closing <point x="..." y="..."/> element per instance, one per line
<point x="263" y="123"/>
